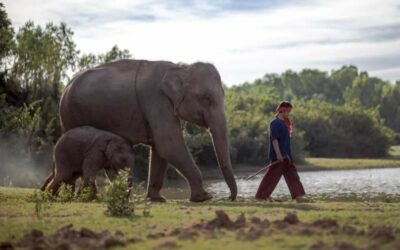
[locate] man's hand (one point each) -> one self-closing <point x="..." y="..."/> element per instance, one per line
<point x="275" y="144"/>
<point x="279" y="157"/>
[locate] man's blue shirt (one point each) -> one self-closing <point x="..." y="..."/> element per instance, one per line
<point x="279" y="131"/>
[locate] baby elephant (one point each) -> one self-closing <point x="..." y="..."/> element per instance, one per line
<point x="83" y="152"/>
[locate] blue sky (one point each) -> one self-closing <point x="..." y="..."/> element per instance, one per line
<point x="244" y="39"/>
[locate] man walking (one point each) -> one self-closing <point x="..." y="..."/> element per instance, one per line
<point x="280" y="154"/>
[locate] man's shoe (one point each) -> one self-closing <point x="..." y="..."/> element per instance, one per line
<point x="302" y="199"/>
<point x="268" y="199"/>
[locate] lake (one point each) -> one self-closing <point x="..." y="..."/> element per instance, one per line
<point x="365" y="183"/>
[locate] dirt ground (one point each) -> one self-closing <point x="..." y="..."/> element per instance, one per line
<point x="246" y="229"/>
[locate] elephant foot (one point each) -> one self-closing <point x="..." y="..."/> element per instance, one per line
<point x="156" y="198"/>
<point x="205" y="196"/>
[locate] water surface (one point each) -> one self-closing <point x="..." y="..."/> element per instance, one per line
<point x="364" y="182"/>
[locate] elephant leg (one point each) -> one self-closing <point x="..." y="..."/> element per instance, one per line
<point x="158" y="168"/>
<point x="72" y="181"/>
<point x="171" y="147"/>
<point x="91" y="165"/>
<point x="58" y="179"/>
<point x="55" y="185"/>
<point x="47" y="181"/>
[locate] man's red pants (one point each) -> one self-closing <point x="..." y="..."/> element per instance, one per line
<point x="272" y="177"/>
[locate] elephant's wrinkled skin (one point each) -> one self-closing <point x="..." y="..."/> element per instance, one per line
<point x="83" y="152"/>
<point x="143" y="102"/>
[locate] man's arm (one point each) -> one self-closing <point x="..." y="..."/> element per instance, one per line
<point x="275" y="144"/>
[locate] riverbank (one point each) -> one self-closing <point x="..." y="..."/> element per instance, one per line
<point x="180" y="224"/>
<point x="392" y="161"/>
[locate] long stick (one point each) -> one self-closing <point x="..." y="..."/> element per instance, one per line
<point x="265" y="168"/>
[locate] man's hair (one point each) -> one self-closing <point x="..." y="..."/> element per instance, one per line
<point x="284" y="104"/>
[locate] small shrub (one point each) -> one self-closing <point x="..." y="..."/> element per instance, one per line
<point x="66" y="194"/>
<point x="124" y="201"/>
<point x="42" y="202"/>
<point x="86" y="195"/>
<point x="116" y="196"/>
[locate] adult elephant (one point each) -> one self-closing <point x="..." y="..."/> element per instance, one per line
<point x="144" y="101"/>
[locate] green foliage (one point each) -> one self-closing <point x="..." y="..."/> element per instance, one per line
<point x="117" y="198"/>
<point x="342" y="131"/>
<point x="42" y="58"/>
<point x="89" y="60"/>
<point x="6" y="36"/>
<point x="86" y="194"/>
<point x="344" y="78"/>
<point x="66" y="194"/>
<point x="122" y="200"/>
<point x="368" y="91"/>
<point x="42" y="202"/>
<point x="248" y="116"/>
<point x="24" y="121"/>
<point x="334" y="115"/>
<point x="389" y="108"/>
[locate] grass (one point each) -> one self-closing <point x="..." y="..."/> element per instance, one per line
<point x="17" y="216"/>
<point x="395" y="152"/>
<point x="341" y="164"/>
<point x="314" y="163"/>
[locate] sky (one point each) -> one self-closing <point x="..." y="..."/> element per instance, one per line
<point x="243" y="39"/>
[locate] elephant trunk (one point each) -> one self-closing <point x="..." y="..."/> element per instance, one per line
<point x="218" y="129"/>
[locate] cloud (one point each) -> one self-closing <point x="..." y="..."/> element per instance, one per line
<point x="382" y="32"/>
<point x="244" y="39"/>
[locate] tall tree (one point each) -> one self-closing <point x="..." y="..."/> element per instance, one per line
<point x="390" y="107"/>
<point x="6" y="36"/>
<point x="368" y="90"/>
<point x="42" y="59"/>
<point x="115" y="53"/>
<point x="344" y="76"/>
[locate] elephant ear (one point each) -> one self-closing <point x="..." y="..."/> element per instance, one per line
<point x="172" y="85"/>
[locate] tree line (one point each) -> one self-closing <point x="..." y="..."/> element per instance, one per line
<point x="342" y="113"/>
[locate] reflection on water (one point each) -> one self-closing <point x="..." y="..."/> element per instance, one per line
<point x="316" y="183"/>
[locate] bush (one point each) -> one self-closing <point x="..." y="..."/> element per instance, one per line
<point x="124" y="201"/>
<point x="86" y="194"/>
<point x="42" y="202"/>
<point x="66" y="193"/>
<point x="342" y="131"/>
<point x="117" y="196"/>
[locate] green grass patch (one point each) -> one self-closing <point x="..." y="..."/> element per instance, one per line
<point x="17" y="217"/>
<point x="319" y="163"/>
<point x="395" y="152"/>
<point x="341" y="163"/>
